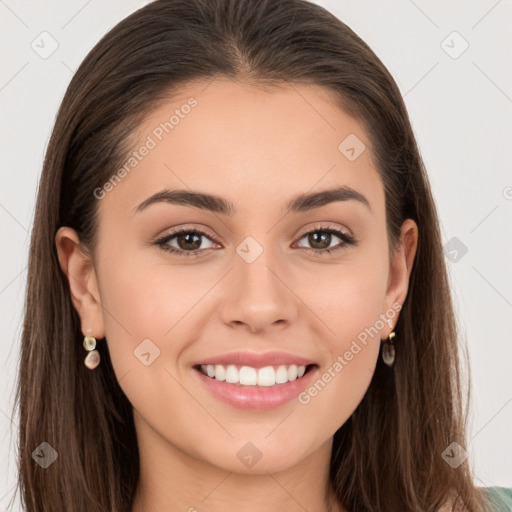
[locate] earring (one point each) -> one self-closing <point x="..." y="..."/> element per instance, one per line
<point x="93" y="357"/>
<point x="388" y="349"/>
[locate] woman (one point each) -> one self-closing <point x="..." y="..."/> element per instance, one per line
<point x="235" y="233"/>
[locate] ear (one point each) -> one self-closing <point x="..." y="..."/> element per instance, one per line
<point x="78" y="267"/>
<point x="400" y="271"/>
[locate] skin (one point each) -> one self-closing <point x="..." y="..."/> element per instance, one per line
<point x="257" y="148"/>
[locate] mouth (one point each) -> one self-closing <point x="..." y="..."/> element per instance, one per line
<point x="262" y="389"/>
<point x="247" y="376"/>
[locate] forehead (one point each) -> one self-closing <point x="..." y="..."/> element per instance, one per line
<point x="252" y="145"/>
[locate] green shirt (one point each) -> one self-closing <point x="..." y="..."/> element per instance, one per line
<point x="499" y="498"/>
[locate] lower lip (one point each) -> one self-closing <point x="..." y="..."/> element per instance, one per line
<point x="257" y="397"/>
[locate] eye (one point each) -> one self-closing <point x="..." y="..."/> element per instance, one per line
<point x="321" y="237"/>
<point x="188" y="242"/>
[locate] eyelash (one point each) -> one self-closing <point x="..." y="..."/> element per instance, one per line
<point x="347" y="240"/>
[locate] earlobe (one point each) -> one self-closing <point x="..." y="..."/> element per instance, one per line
<point x="78" y="267"/>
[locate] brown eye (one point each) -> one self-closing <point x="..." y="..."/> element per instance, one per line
<point x="188" y="242"/>
<point x="320" y="240"/>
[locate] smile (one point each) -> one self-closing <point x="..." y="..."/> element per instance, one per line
<point x="246" y="387"/>
<point x="249" y="376"/>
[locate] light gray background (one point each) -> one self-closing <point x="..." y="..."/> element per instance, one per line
<point x="461" y="114"/>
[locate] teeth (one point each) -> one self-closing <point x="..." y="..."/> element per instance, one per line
<point x="248" y="376"/>
<point x="266" y="376"/>
<point x="232" y="375"/>
<point x="220" y="372"/>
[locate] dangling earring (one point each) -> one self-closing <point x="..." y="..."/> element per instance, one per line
<point x="388" y="349"/>
<point x="93" y="357"/>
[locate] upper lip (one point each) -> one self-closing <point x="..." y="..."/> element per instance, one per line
<point x="255" y="359"/>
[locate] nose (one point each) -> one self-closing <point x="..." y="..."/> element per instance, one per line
<point x="258" y="297"/>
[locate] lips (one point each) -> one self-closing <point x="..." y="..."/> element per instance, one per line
<point x="255" y="359"/>
<point x="256" y="398"/>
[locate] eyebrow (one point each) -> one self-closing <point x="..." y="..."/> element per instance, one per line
<point x="216" y="204"/>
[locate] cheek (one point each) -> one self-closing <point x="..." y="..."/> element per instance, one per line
<point x="146" y="298"/>
<point x="351" y="345"/>
<point x="147" y="295"/>
<point x="135" y="305"/>
<point x="347" y="301"/>
<point x="148" y="313"/>
<point x="347" y="297"/>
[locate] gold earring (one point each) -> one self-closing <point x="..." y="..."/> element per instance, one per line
<point x="388" y="350"/>
<point x="93" y="357"/>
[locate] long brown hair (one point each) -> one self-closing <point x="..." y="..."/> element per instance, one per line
<point x="388" y="455"/>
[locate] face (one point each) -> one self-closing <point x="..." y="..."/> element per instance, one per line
<point x="313" y="281"/>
